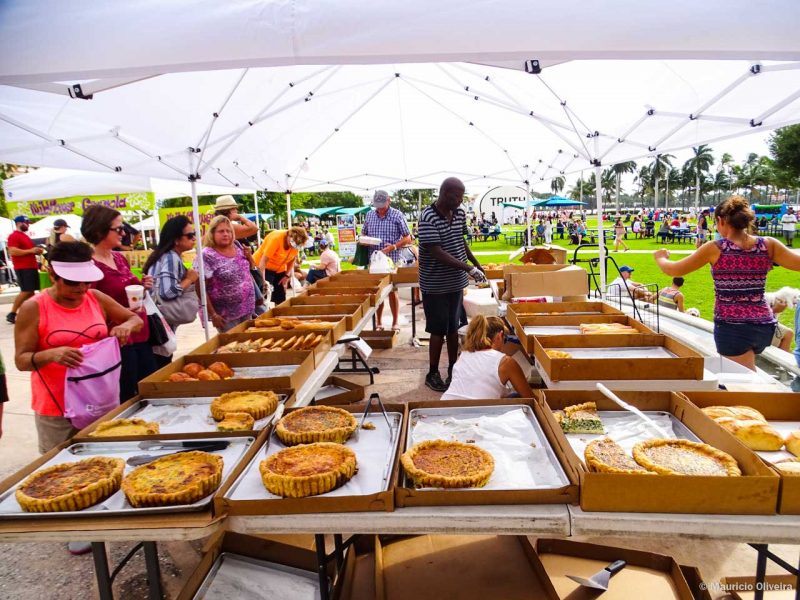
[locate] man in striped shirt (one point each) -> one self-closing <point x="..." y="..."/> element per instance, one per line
<point x="443" y="273"/>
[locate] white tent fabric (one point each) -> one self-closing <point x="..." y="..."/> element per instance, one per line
<point x="6" y="227"/>
<point x="147" y="37"/>
<point x="43" y="227"/>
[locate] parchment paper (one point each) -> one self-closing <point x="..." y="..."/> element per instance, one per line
<point x="627" y="352"/>
<point x="265" y="371"/>
<point x="784" y="428"/>
<point x="184" y="417"/>
<point x="244" y="578"/>
<point x="552" y="330"/>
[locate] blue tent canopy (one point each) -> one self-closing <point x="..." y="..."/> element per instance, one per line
<point x="534" y="202"/>
<point x="264" y="217"/>
<point x="360" y="210"/>
<point x="316" y="212"/>
<point x="561" y="201"/>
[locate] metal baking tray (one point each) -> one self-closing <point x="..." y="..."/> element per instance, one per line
<point x="116" y="504"/>
<point x="326" y="391"/>
<point x="469" y="412"/>
<point x="263" y="371"/>
<point x="242" y="577"/>
<point x="372" y="475"/>
<point x="182" y="415"/>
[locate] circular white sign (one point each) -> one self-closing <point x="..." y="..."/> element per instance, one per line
<point x="491" y="203"/>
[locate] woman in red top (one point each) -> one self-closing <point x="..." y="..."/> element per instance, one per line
<point x="55" y="324"/>
<point x="102" y="227"/>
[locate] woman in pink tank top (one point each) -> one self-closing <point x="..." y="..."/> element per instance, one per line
<point x="743" y="322"/>
<point x="52" y="326"/>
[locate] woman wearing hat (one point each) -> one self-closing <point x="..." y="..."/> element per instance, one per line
<point x="59" y="233"/>
<point x="242" y="226"/>
<point x="55" y="324"/>
<point x="277" y="259"/>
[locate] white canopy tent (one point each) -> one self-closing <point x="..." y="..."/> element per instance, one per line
<point x="343" y="118"/>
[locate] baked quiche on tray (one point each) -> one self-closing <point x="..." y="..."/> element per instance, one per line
<point x="684" y="457"/>
<point x="444" y="464"/>
<point x="122" y="427"/>
<point x="258" y="405"/>
<point x="181" y="478"/>
<point x="316" y="424"/>
<point x="308" y="469"/>
<point x="606" y="456"/>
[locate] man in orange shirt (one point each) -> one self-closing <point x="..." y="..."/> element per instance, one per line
<point x="277" y="259"/>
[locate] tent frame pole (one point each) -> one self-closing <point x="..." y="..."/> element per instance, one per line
<point x="288" y="209"/>
<point x="601" y="235"/>
<point x="528" y="207"/>
<point x="258" y="217"/>
<point x="199" y="247"/>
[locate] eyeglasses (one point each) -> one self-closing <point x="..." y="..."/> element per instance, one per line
<point x="120" y="230"/>
<point x="191" y="235"/>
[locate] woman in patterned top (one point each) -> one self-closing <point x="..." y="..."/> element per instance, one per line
<point x="740" y="261"/>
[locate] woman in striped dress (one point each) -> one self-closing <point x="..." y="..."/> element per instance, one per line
<point x="740" y="261"/>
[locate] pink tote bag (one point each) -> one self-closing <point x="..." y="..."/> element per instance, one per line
<point x="92" y="389"/>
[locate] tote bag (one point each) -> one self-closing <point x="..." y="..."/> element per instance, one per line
<point x="92" y="389"/>
<point x="180" y="310"/>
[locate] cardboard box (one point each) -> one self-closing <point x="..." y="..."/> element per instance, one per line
<point x="304" y="361"/>
<point x="410" y="496"/>
<point x="698" y="585"/>
<point x="318" y="300"/>
<point x="379" y="501"/>
<point x="557" y="309"/>
<point x="260" y="549"/>
<point x="351" y="393"/>
<point x="84" y="434"/>
<point x="320" y="351"/>
<point x="336" y="331"/>
<point x="555" y="255"/>
<point x="405" y="275"/>
<point x="775" y="406"/>
<point x="646" y="575"/>
<point x="521" y="320"/>
<point x="343" y="289"/>
<point x="546" y="280"/>
<point x="380" y="280"/>
<point x="351" y="313"/>
<point x="686" y="364"/>
<point x="754" y="493"/>
<point x="380" y="340"/>
<point x="359" y="576"/>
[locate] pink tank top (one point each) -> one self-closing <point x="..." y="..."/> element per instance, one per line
<point x="61" y="326"/>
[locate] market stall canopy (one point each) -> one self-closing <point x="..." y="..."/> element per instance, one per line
<point x="262" y="216"/>
<point x="6" y="228"/>
<point x="316" y="212"/>
<point x="522" y="206"/>
<point x="360" y="210"/>
<point x="42" y="228"/>
<point x="554" y="201"/>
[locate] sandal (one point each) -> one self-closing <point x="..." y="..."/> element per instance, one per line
<point x="379" y="328"/>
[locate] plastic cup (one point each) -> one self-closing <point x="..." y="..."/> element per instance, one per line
<point x="135" y="296"/>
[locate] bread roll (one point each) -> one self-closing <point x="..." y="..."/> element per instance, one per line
<point x="756" y="435"/>
<point x="789" y="466"/>
<point x="737" y="412"/>
<point x="221" y="369"/>
<point x="206" y="375"/>
<point x="192" y="369"/>
<point x="180" y="377"/>
<point x="793" y="443"/>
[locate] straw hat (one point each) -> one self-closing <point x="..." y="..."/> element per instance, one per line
<point x="225" y="202"/>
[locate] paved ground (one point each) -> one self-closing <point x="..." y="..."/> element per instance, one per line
<point x="47" y="571"/>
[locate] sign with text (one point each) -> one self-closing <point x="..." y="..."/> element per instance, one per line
<point x="76" y="205"/>
<point x="206" y="214"/>
<point x="491" y="203"/>
<point x="346" y="224"/>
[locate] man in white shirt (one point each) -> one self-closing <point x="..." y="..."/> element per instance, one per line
<point x="789" y="223"/>
<point x="617" y="287"/>
<point x="328" y="263"/>
<point x="330" y="239"/>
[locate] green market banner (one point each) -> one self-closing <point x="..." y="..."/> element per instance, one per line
<point x="75" y="205"/>
<point x="206" y="214"/>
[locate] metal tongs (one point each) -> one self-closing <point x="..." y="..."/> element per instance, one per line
<point x="619" y="401"/>
<point x="392" y="430"/>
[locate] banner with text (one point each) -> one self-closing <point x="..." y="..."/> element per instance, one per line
<point x="75" y="205"/>
<point x="346" y="224"/>
<point x="206" y="214"/>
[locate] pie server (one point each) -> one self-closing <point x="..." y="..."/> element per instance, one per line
<point x="142" y="459"/>
<point x="599" y="581"/>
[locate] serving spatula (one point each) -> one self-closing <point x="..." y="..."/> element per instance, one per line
<point x="599" y="581"/>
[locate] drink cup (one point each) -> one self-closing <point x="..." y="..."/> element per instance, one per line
<point x="135" y="296"/>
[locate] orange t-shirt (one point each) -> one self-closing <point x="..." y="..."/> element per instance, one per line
<point x="279" y="259"/>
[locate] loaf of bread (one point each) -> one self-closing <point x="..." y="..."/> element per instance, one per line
<point x="737" y="412"/>
<point x="789" y="466"/>
<point x="756" y="435"/>
<point x="793" y="443"/>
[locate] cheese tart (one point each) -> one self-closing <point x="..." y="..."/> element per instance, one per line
<point x="439" y="463"/>
<point x="180" y="478"/>
<point x="308" y="469"/>
<point x="121" y="427"/>
<point x="683" y="457"/>
<point x="258" y="405"/>
<point x="316" y="424"/>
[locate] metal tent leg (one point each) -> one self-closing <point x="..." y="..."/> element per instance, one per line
<point x="153" y="570"/>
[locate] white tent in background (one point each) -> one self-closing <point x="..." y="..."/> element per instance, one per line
<point x="43" y="227"/>
<point x="6" y="227"/>
<point x="302" y="96"/>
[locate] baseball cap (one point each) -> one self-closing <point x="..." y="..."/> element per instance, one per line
<point x="60" y="223"/>
<point x="380" y="198"/>
<point x="323" y="242"/>
<point x="625" y="268"/>
<point x="77" y="271"/>
<point x="21" y="219"/>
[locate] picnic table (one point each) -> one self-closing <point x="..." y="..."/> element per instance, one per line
<point x="516" y="238"/>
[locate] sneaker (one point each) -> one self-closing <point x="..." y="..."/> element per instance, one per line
<point x="11" y="318"/>
<point x="434" y="381"/>
<point x="79" y="548"/>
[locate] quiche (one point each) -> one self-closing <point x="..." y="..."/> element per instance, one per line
<point x="683" y="457"/>
<point x="581" y="418"/>
<point x="256" y="404"/>
<point x="236" y="421"/>
<point x="71" y="486"/>
<point x="125" y="427"/>
<point x="180" y="478"/>
<point x="308" y="469"/>
<point x="438" y="463"/>
<point x="606" y="456"/>
<point x="316" y="424"/>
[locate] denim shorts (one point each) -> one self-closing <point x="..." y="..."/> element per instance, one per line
<point x="733" y="339"/>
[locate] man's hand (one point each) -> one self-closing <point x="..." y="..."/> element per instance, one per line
<point x="477" y="275"/>
<point x="389" y="248"/>
<point x="284" y="281"/>
<point x="191" y="276"/>
<point x="38" y="250"/>
<point x="65" y="356"/>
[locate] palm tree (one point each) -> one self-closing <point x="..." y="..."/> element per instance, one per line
<point x="673" y="181"/>
<point x="699" y="164"/>
<point x="642" y="180"/>
<point x="608" y="180"/>
<point x="658" y="169"/>
<point x="721" y="181"/>
<point x="578" y="189"/>
<point x="619" y="170"/>
<point x="557" y="184"/>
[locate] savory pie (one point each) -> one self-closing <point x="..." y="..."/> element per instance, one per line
<point x="181" y="478"/>
<point x="316" y="424"/>
<point x="308" y="469"/>
<point x="606" y="456"/>
<point x="683" y="457"/>
<point x="580" y="418"/>
<point x="256" y="404"/>
<point x="125" y="427"/>
<point x="558" y="354"/>
<point x="236" y="421"/>
<point x="438" y="463"/>
<point x="71" y="486"/>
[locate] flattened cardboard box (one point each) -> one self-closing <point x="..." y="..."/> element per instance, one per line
<point x="755" y="492"/>
<point x="320" y="351"/>
<point x="304" y="361"/>
<point x="380" y="280"/>
<point x="686" y="364"/>
<point x="410" y="496"/>
<point x="260" y="549"/>
<point x="84" y="435"/>
<point x="352" y="393"/>
<point x="351" y="313"/>
<point x="546" y="280"/>
<point x="336" y="331"/>
<point x="775" y="406"/>
<point x="776" y="587"/>
<point x="380" y="501"/>
<point x="521" y="320"/>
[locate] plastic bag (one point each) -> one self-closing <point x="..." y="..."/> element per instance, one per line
<point x="380" y="263"/>
<point x="168" y="347"/>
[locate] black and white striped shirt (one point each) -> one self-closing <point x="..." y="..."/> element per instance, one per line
<point x="436" y="230"/>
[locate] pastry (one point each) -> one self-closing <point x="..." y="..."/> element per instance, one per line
<point x="125" y="427"/>
<point x="71" y="486"/>
<point x="308" y="469"/>
<point x="581" y="418"/>
<point x="181" y="377"/>
<point x="438" y="463"/>
<point x="256" y="404"/>
<point x="606" y="328"/>
<point x="558" y="354"/>
<point x="737" y="412"/>
<point x="316" y="424"/>
<point x="789" y="466"/>
<point x="181" y="478"/>
<point x="682" y="457"/>
<point x="221" y="369"/>
<point x="236" y="421"/>
<point x="606" y="456"/>
<point x="192" y="369"/>
<point x="793" y="443"/>
<point x="206" y="375"/>
<point x="756" y="435"/>
<point x="267" y="322"/>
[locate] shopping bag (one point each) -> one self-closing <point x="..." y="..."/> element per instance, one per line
<point x="380" y="263"/>
<point x="92" y="388"/>
<point x="162" y="338"/>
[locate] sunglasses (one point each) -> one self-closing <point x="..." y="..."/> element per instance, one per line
<point x="191" y="235"/>
<point x="71" y="283"/>
<point x="120" y="230"/>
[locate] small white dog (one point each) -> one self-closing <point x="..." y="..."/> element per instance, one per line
<point x="789" y="295"/>
<point x="693" y="312"/>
